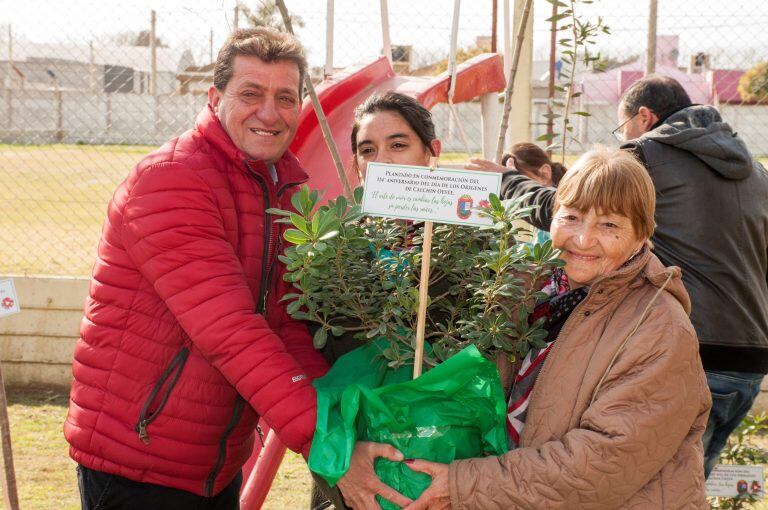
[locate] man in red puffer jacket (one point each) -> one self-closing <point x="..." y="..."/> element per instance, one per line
<point x="185" y="343"/>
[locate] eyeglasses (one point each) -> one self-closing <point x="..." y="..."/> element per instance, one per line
<point x="619" y="133"/>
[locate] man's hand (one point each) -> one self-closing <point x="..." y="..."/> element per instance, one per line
<point x="437" y="496"/>
<point x="485" y="166"/>
<point x="360" y="485"/>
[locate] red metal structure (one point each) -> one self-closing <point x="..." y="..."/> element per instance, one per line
<point x="339" y="96"/>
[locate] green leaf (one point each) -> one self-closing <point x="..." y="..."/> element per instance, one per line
<point x="293" y="307"/>
<point x="278" y="212"/>
<point x="320" y="338"/>
<point x="294" y="236"/>
<point x="300" y="223"/>
<point x="557" y="17"/>
<point x="297" y="201"/>
<point x="358" y="195"/>
<point x="495" y="202"/>
<point x="547" y="137"/>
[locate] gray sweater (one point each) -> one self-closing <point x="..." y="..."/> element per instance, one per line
<point x="712" y="216"/>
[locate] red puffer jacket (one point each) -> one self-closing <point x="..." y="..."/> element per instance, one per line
<point x="184" y="342"/>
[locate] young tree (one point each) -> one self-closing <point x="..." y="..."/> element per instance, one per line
<point x="753" y="85"/>
<point x="267" y="15"/>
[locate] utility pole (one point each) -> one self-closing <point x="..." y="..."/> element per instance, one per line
<point x="387" y="44"/>
<point x="650" y="54"/>
<point x="329" y="38"/>
<point x="153" y="55"/>
<point x="494" y="15"/>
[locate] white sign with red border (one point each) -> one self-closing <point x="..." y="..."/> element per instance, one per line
<point x="425" y="194"/>
<point x="9" y="303"/>
<point x="730" y="481"/>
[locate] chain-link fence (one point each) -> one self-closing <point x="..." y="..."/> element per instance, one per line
<point x="88" y="87"/>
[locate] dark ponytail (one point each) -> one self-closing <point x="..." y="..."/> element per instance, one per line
<point x="558" y="171"/>
<point x="529" y="158"/>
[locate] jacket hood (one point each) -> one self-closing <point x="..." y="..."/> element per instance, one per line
<point x="668" y="277"/>
<point x="648" y="267"/>
<point x="700" y="130"/>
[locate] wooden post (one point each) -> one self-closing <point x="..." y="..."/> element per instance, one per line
<point x="511" y="79"/>
<point x="9" y="489"/>
<point x="421" y="317"/>
<point x="108" y="115"/>
<point x="494" y="16"/>
<point x="153" y="54"/>
<point x="92" y="80"/>
<point x="650" y="54"/>
<point x="153" y="74"/>
<point x="236" y="21"/>
<point x="387" y="44"/>
<point x="9" y="88"/>
<point x="210" y="45"/>
<point x="329" y="38"/>
<point x="507" y="31"/>
<point x="321" y="119"/>
<point x="59" y="99"/>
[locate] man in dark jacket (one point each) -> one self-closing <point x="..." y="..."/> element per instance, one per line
<point x="712" y="216"/>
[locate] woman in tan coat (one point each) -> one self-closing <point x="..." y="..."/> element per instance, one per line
<point x="611" y="412"/>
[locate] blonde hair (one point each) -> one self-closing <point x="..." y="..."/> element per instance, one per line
<point x="611" y="182"/>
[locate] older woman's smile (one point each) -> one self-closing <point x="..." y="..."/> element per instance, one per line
<point x="593" y="243"/>
<point x="581" y="256"/>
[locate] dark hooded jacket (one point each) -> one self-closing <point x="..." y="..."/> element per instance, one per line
<point x="712" y="216"/>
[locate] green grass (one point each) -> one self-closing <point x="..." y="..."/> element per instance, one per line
<point x="53" y="201"/>
<point x="46" y="476"/>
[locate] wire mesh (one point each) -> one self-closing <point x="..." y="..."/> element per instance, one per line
<point x="82" y="98"/>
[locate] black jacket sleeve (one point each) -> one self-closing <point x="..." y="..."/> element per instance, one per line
<point x="515" y="185"/>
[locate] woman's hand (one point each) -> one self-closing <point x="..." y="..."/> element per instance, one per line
<point x="360" y="485"/>
<point x="436" y="496"/>
<point x="485" y="166"/>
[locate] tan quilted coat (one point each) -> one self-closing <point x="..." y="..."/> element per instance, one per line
<point x="632" y="441"/>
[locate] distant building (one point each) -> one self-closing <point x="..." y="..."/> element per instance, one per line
<point x="98" y="68"/>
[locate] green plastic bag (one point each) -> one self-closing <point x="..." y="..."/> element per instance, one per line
<point x="454" y="411"/>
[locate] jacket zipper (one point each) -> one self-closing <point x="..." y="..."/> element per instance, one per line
<point x="263" y="290"/>
<point x="145" y="417"/>
<point x="237" y="410"/>
<point x="261" y="305"/>
<point x="268" y="259"/>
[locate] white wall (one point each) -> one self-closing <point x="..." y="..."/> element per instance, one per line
<point x="36" y="345"/>
<point x="95" y="118"/>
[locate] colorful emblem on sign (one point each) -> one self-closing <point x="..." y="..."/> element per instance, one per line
<point x="8" y="303"/>
<point x="464" y="207"/>
<point x="742" y="487"/>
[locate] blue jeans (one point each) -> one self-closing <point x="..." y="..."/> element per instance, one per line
<point x="733" y="394"/>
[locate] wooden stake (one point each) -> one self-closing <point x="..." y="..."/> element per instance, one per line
<point x="421" y="318"/>
<point x="511" y="80"/>
<point x="9" y="489"/>
<point x="322" y="120"/>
